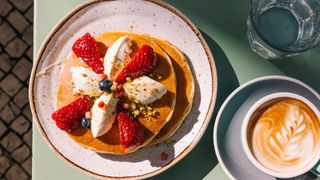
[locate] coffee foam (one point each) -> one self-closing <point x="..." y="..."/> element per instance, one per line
<point x="285" y="137"/>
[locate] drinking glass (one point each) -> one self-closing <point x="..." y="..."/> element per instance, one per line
<point x="283" y="28"/>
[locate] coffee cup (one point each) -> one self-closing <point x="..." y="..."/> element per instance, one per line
<point x="280" y="135"/>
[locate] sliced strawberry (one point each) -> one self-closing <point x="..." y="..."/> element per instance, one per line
<point x="68" y="117"/>
<point x="142" y="63"/>
<point x="164" y="156"/>
<point x="87" y="49"/>
<point x="131" y="132"/>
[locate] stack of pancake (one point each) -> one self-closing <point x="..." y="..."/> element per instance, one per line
<point x="173" y="107"/>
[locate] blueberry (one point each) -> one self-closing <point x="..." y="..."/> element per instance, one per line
<point x="105" y="85"/>
<point x="85" y="122"/>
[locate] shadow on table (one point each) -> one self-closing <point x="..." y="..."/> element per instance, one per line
<point x="202" y="159"/>
<point x="227" y="16"/>
<point x="305" y="67"/>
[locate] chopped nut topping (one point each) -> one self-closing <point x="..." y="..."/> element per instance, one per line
<point x="154" y="113"/>
<point x="149" y="108"/>
<point x="136" y="101"/>
<point x="149" y="113"/>
<point x="84" y="75"/>
<point x="113" y="87"/>
<point x="136" y="113"/>
<point x="128" y="79"/>
<point x="133" y="106"/>
<point x="142" y="108"/>
<point x="125" y="105"/>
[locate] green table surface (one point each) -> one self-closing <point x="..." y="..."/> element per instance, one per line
<point x="223" y="24"/>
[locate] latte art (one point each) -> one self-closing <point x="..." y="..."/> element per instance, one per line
<point x="285" y="137"/>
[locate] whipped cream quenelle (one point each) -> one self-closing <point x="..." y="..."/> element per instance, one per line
<point x="103" y="117"/>
<point x="284" y="135"/>
<point x="84" y="81"/>
<point x="115" y="57"/>
<point x="144" y="90"/>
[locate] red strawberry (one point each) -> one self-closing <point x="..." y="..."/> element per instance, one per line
<point x="68" y="117"/>
<point x="142" y="63"/>
<point x="131" y="132"/>
<point x="87" y="49"/>
<point x="164" y="156"/>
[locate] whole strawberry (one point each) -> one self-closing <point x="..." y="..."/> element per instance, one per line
<point x="142" y="63"/>
<point x="87" y="49"/>
<point x="131" y="132"/>
<point x="68" y="117"/>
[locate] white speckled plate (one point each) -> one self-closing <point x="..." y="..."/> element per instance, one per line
<point x="149" y="17"/>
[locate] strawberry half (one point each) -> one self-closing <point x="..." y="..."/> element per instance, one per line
<point x="131" y="132"/>
<point x="142" y="63"/>
<point x="68" y="117"/>
<point x="87" y="49"/>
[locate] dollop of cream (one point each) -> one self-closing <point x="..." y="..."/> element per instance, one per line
<point x="285" y="138"/>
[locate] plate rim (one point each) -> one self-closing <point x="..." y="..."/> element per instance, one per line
<point x="233" y="94"/>
<point x="186" y="151"/>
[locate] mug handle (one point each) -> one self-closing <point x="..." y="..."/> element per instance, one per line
<point x="316" y="169"/>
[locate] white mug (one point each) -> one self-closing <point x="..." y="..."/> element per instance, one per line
<point x="244" y="134"/>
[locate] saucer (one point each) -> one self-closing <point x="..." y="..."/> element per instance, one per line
<point x="227" y="131"/>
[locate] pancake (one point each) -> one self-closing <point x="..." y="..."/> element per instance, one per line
<point x="185" y="87"/>
<point x="110" y="142"/>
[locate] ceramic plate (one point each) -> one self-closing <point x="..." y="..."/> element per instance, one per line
<point x="227" y="131"/>
<point x="149" y="17"/>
